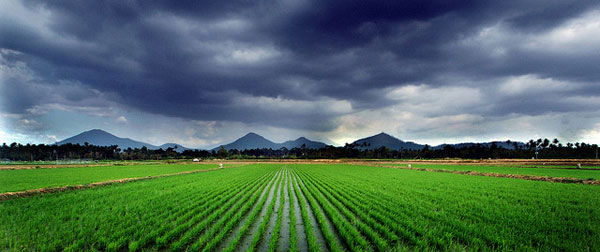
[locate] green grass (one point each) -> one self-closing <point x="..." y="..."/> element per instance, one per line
<point x="548" y="172"/>
<point x="21" y="180"/>
<point x="356" y="208"/>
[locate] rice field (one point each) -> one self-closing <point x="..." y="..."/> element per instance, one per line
<point x="27" y="179"/>
<point x="308" y="207"/>
<point x="553" y="171"/>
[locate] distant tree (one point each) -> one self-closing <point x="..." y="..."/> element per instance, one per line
<point x="546" y="143"/>
<point x="554" y="143"/>
<point x="222" y="153"/>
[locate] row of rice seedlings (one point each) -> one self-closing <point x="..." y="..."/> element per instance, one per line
<point x="308" y="228"/>
<point x="80" y="238"/>
<point x="225" y="224"/>
<point x="195" y="208"/>
<point x="181" y="224"/>
<point x="242" y="232"/>
<point x="346" y="228"/>
<point x="104" y="237"/>
<point x="439" y="223"/>
<point x="364" y="207"/>
<point x="275" y="234"/>
<point x="215" y="211"/>
<point x="424" y="233"/>
<point x="261" y="229"/>
<point x="374" y="236"/>
<point x="149" y="228"/>
<point x="72" y="218"/>
<point x="430" y="223"/>
<point x="293" y="238"/>
<point x="121" y="238"/>
<point x="321" y="219"/>
<point x="131" y="226"/>
<point x="475" y="194"/>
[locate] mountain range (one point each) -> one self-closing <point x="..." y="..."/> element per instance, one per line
<point x="254" y="141"/>
<point x="103" y="138"/>
<point x="383" y="139"/>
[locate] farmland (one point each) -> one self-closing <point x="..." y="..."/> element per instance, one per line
<point x="26" y="179"/>
<point x="308" y="207"/>
<point x="546" y="171"/>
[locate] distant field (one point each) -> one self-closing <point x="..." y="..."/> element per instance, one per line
<point x="309" y="207"/>
<point x="21" y="180"/>
<point x="546" y="171"/>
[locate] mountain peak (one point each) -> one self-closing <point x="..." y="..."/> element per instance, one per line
<point x="95" y="131"/>
<point x="384" y="139"/>
<point x="252" y="134"/>
<point x="251" y="141"/>
<point x="383" y="134"/>
<point x="256" y="141"/>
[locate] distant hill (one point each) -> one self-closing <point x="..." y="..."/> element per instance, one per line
<point x="102" y="138"/>
<point x="309" y="144"/>
<point x="180" y="148"/>
<point x="250" y="141"/>
<point x="383" y="139"/>
<point x="256" y="141"/>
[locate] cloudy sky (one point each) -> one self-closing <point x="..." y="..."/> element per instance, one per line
<point x="205" y="73"/>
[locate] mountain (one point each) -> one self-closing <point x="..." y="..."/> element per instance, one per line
<point x="180" y="148"/>
<point x="303" y="141"/>
<point x="256" y="141"/>
<point x="251" y="141"/>
<point x="383" y="139"/>
<point x="103" y="138"/>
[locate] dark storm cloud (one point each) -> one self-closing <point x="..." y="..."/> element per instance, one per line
<point x="263" y="61"/>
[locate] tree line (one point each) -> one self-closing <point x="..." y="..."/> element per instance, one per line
<point x="541" y="148"/>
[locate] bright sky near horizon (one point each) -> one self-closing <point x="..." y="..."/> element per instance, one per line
<point x="204" y="73"/>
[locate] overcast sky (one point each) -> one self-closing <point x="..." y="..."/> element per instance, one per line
<point x="203" y="74"/>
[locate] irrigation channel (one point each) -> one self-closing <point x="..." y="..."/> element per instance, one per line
<point x="307" y="208"/>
